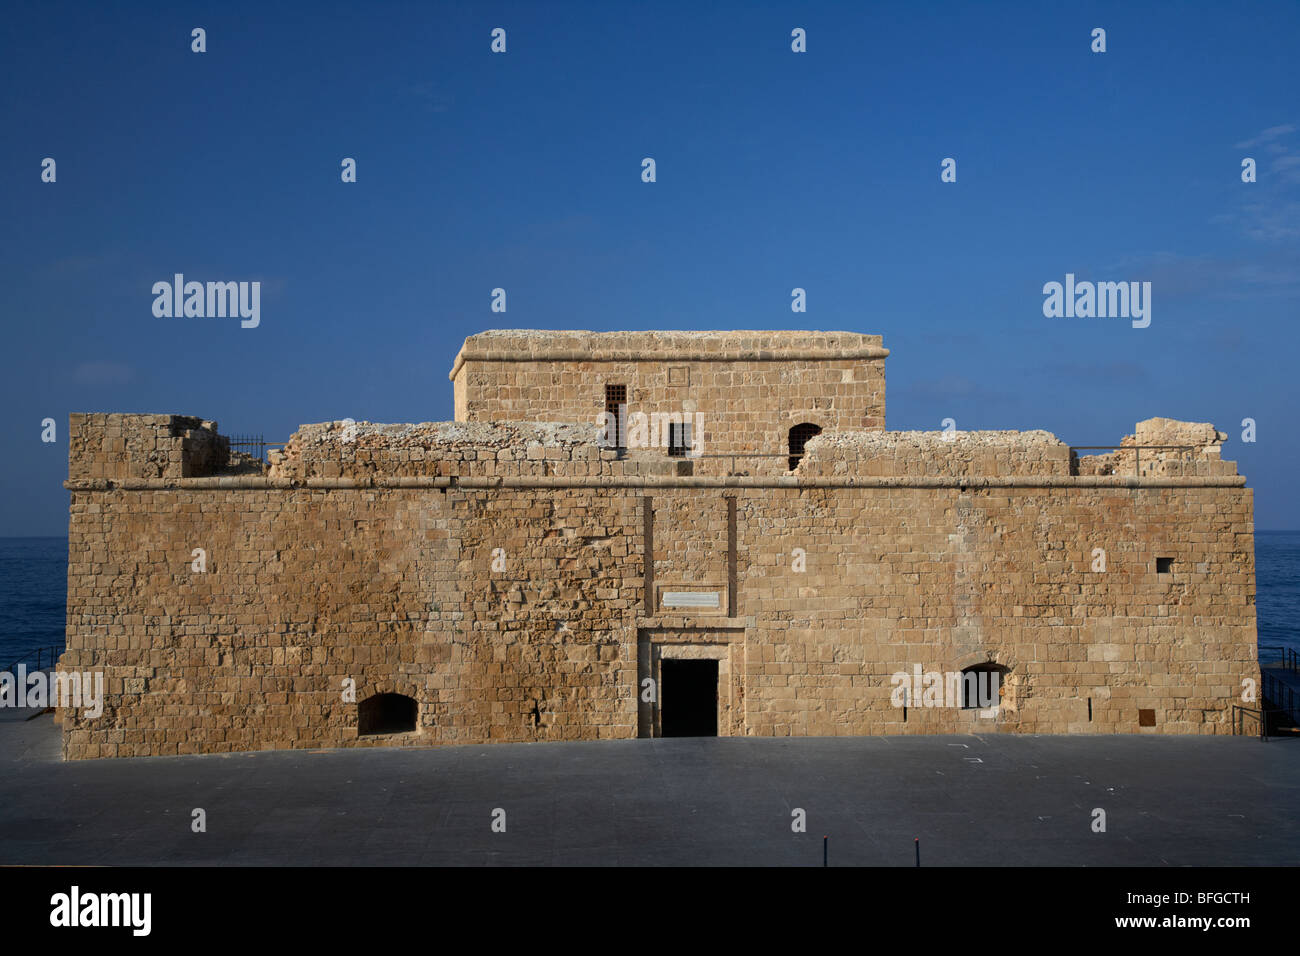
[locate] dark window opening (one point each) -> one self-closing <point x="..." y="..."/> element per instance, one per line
<point x="982" y="686"/>
<point x="799" y="436"/>
<point x="1164" y="565"/>
<point x="386" y="714"/>
<point x="1146" y="718"/>
<point x="616" y="406"/>
<point x="689" y="698"/>
<point x="679" y="439"/>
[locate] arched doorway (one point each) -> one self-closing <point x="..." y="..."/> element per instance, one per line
<point x="386" y="714"/>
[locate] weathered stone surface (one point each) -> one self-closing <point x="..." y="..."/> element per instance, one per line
<point x="146" y="446"/>
<point x="750" y="388"/>
<point x="509" y="577"/>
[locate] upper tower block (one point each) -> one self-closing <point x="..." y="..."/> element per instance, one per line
<point x="749" y="392"/>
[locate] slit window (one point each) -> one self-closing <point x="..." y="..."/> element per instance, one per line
<point x="679" y="439"/>
<point x="616" y="406"/>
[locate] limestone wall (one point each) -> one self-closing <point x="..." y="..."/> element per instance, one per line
<point x="305" y="588"/>
<point x="946" y="578"/>
<point x="144" y="446"/>
<point x="1163" y="447"/>
<point x="749" y="388"/>
<point x="363" y="450"/>
<point x="509" y="596"/>
<point x="937" y="454"/>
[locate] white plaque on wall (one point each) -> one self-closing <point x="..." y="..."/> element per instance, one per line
<point x="691" y="599"/>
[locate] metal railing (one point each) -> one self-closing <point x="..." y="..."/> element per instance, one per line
<point x="48" y="653"/>
<point x="1287" y="658"/>
<point x="1136" y="449"/>
<point x="1285" y="698"/>
<point x="1261" y="716"/>
<point x="254" y="445"/>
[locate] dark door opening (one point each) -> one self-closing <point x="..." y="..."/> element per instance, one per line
<point x="798" y="438"/>
<point x="386" y="714"/>
<point x="689" y="698"/>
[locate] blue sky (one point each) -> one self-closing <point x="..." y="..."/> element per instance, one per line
<point x="775" y="170"/>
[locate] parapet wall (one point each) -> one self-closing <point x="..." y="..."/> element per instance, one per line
<point x="144" y="446"/>
<point x="124" y="447"/>
<point x="1171" y="449"/>
<point x="938" y="454"/>
<point x="364" y="450"/>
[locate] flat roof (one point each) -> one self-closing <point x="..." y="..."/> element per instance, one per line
<point x="541" y="345"/>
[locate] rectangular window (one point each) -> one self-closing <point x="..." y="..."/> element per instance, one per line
<point x="679" y="439"/>
<point x="1164" y="565"/>
<point x="616" y="405"/>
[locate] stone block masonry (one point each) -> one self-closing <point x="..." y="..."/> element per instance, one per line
<point x="144" y="446"/>
<point x="518" y="582"/>
<point x="751" y="387"/>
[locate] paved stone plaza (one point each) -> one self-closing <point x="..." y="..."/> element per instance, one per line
<point x="973" y="801"/>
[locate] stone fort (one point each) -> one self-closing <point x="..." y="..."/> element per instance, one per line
<point x="649" y="534"/>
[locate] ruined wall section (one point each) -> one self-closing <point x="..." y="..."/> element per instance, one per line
<point x="363" y="450"/>
<point x="144" y="446"/>
<point x="957" y="454"/>
<point x="1163" y="448"/>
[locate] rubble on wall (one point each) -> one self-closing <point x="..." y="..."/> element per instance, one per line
<point x="1170" y="431"/>
<point x="496" y="449"/>
<point x="1199" y="453"/>
<point x="936" y="454"/>
<point x="174" y="446"/>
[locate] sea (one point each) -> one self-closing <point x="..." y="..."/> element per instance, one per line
<point x="34" y="593"/>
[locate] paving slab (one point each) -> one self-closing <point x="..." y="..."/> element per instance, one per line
<point x="978" y="800"/>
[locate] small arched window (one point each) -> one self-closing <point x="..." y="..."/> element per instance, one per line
<point x="386" y="714"/>
<point x="982" y="686"/>
<point x="799" y="436"/>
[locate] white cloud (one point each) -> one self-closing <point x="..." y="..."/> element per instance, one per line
<point x="1273" y="132"/>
